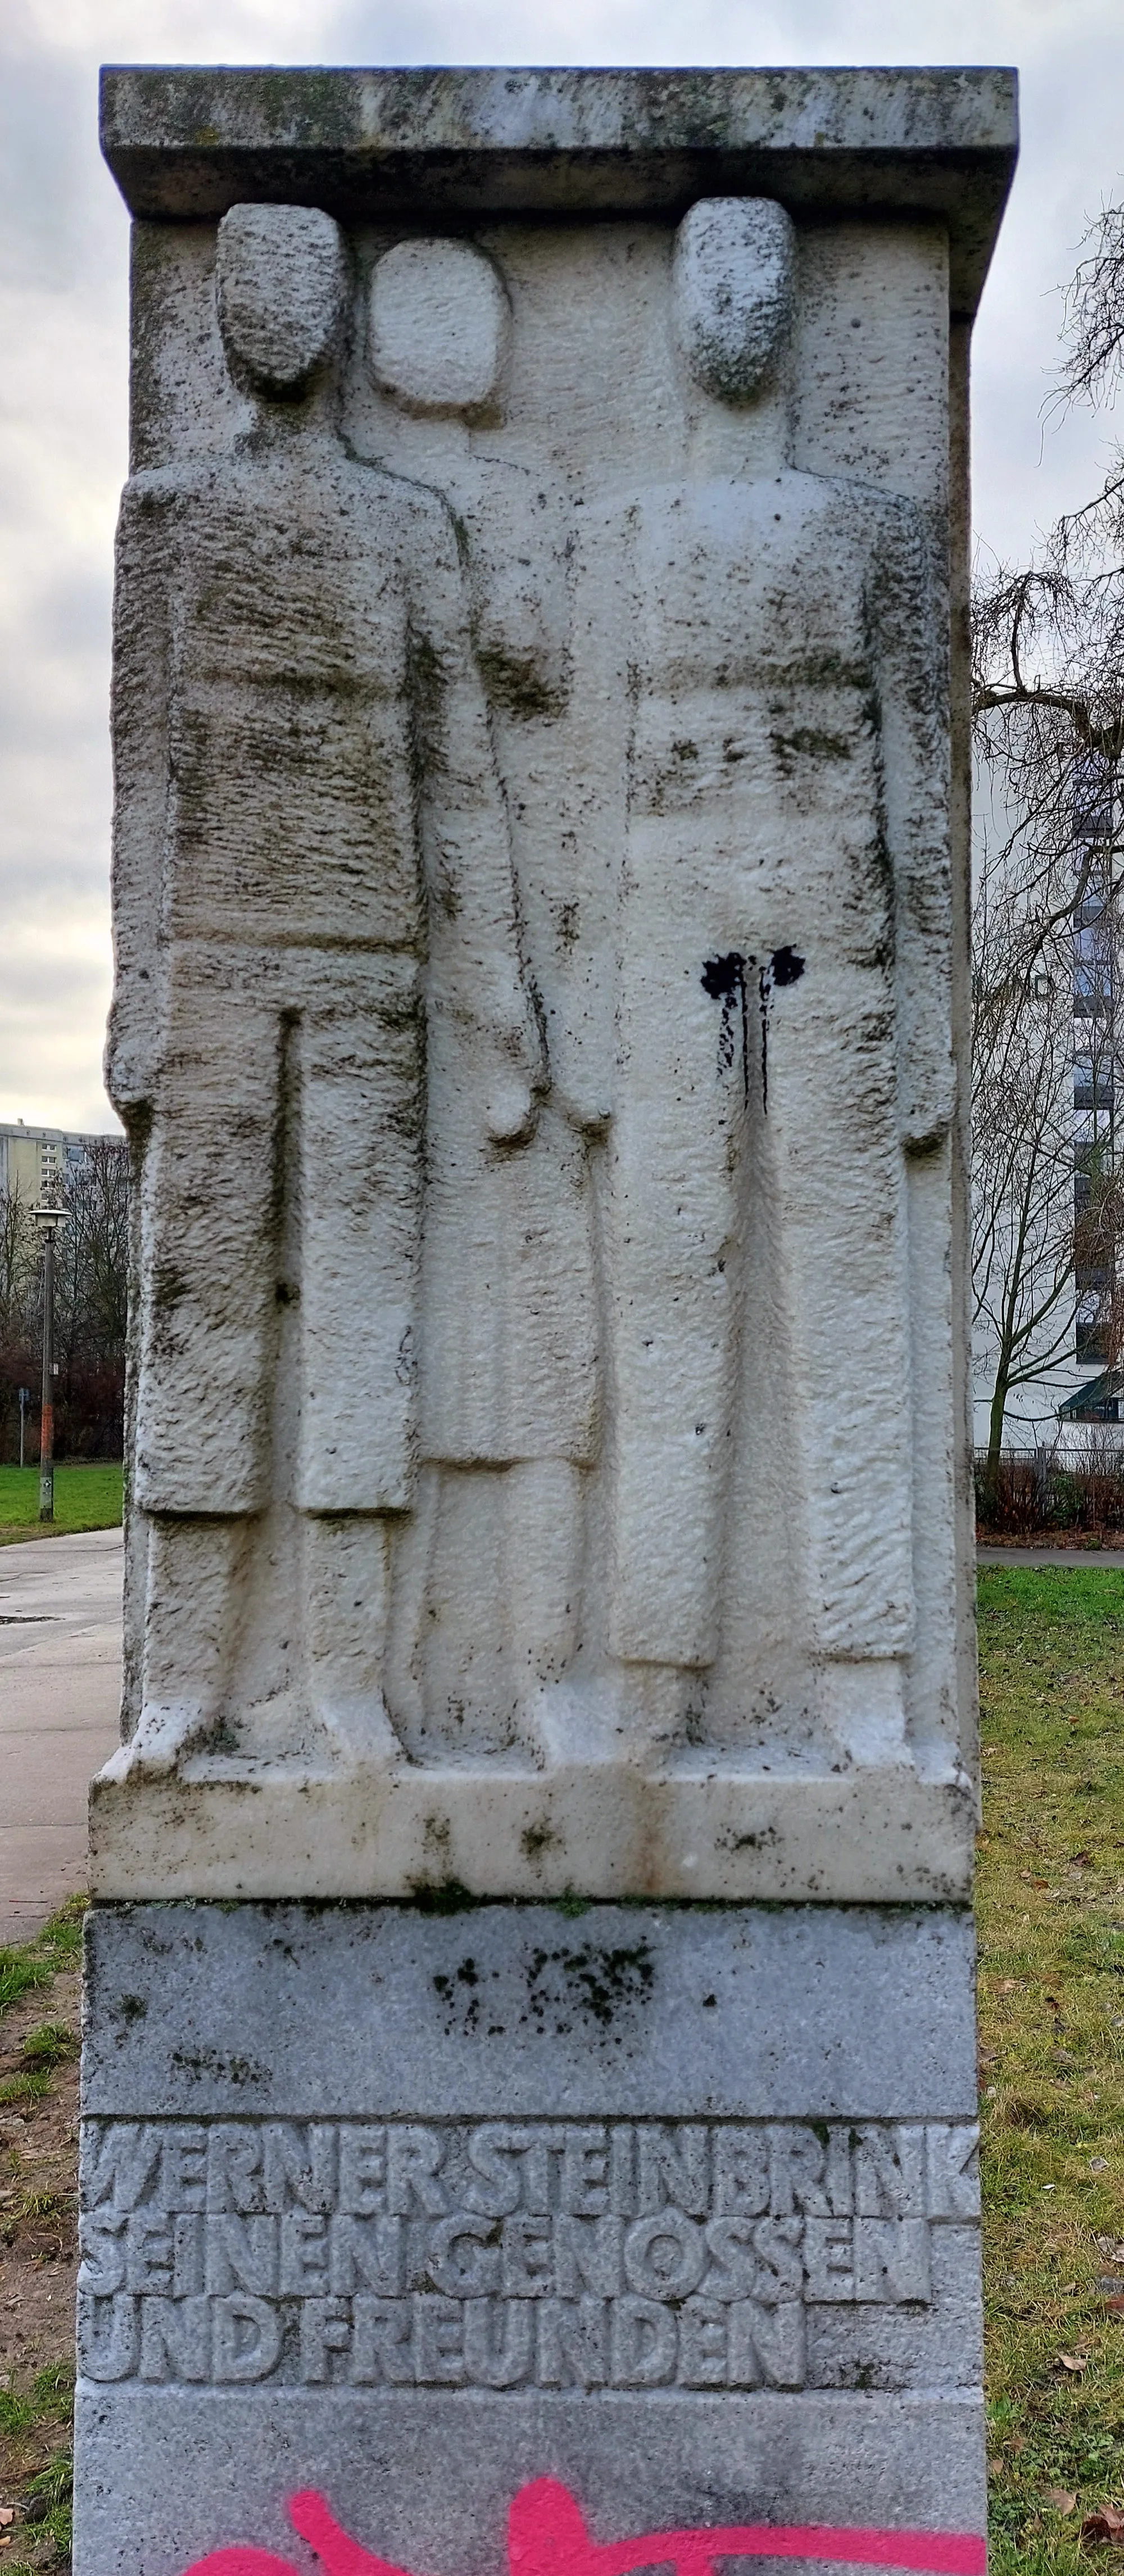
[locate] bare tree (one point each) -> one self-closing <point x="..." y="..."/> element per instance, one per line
<point x="1023" y="1181"/>
<point x="92" y="1255"/>
<point x="90" y="1303"/>
<point x="1048" y="703"/>
<point x="18" y="1258"/>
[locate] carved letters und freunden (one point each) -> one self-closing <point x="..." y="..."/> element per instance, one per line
<point x="501" y="2254"/>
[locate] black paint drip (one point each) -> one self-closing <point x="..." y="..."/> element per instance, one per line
<point x="724" y="978"/>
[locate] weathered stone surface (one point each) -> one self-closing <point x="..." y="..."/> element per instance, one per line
<point x="426" y="2481"/>
<point x="941" y="144"/>
<point x="561" y="1489"/>
<point x="794" y="2009"/>
<point x="677" y="2206"/>
<point x="540" y="855"/>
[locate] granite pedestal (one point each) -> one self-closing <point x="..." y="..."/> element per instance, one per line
<point x="675" y="2206"/>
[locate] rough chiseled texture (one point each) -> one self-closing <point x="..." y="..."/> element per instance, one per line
<point x="536" y="1021"/>
<point x="533" y="1013"/>
<point x="938" y="145"/>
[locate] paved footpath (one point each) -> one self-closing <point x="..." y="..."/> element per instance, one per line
<point x="60" y="1684"/>
<point x="1110" y="1559"/>
<point x="60" y="1687"/>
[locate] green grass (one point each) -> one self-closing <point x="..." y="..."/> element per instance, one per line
<point x="86" y="1498"/>
<point x="33" y="1963"/>
<point x="1051" y="1917"/>
<point x="49" y="2045"/>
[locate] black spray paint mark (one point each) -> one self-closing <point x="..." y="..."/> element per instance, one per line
<point x="785" y="966"/>
<point x="724" y="978"/>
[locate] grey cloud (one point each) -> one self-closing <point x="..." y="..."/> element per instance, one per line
<point x="42" y="105"/>
<point x="63" y="238"/>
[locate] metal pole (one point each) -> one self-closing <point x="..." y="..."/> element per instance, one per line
<point x="23" y="1418"/>
<point x="47" y="1411"/>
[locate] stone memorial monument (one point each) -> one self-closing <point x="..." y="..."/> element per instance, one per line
<point x="529" y="2065"/>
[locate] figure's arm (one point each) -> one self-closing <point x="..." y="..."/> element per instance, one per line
<point x="466" y="842"/>
<point x="909" y="625"/>
<point x="140" y="771"/>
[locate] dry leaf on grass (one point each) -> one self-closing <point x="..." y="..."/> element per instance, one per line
<point x="1060" y="2499"/>
<point x="1106" y="2524"/>
<point x="1073" y="2361"/>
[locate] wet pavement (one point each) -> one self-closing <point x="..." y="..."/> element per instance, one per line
<point x="60" y="1685"/>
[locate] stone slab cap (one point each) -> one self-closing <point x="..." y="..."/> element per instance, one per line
<point x="887" y="1838"/>
<point x="368" y="145"/>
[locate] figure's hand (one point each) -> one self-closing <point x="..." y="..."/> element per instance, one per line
<point x="512" y="1113"/>
<point x="928" y="1109"/>
<point x="587" y="1109"/>
<point x="130" y="1060"/>
<point x="519" y="1081"/>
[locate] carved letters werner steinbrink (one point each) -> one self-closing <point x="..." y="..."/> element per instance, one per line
<point x="502" y="2254"/>
<point x="532" y="927"/>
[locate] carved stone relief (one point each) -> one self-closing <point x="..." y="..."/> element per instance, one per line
<point x="532" y="1010"/>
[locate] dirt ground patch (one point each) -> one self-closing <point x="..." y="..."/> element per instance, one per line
<point x="38" y="2242"/>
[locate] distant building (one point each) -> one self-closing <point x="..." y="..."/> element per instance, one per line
<point x="35" y="1161"/>
<point x="1079" y="1387"/>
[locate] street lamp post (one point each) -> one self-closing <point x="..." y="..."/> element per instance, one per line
<point x="48" y="1220"/>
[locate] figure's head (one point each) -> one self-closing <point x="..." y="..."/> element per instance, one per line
<point x="281" y="281"/>
<point x="733" y="293"/>
<point x="440" y="327"/>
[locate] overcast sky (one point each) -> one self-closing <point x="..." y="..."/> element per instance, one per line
<point x="63" y="241"/>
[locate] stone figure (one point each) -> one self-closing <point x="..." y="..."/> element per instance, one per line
<point x="782" y="1007"/>
<point x="488" y="1575"/>
<point x="313" y="873"/>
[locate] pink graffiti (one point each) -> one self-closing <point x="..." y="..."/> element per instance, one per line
<point x="547" y="2536"/>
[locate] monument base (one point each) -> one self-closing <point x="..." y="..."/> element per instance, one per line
<point x="649" y="2227"/>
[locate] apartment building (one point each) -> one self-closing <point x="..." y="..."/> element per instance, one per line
<point x="34" y="1161"/>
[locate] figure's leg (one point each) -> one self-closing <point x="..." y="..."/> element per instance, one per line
<point x="195" y="1574"/>
<point x="347" y="1574"/>
<point x="544" y="1517"/>
<point x="672" y="1251"/>
<point x="207" y="1310"/>
<point x="486" y="1604"/>
<point x="836" y="1171"/>
<point x="361" y="1130"/>
<point x="206" y="1272"/>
